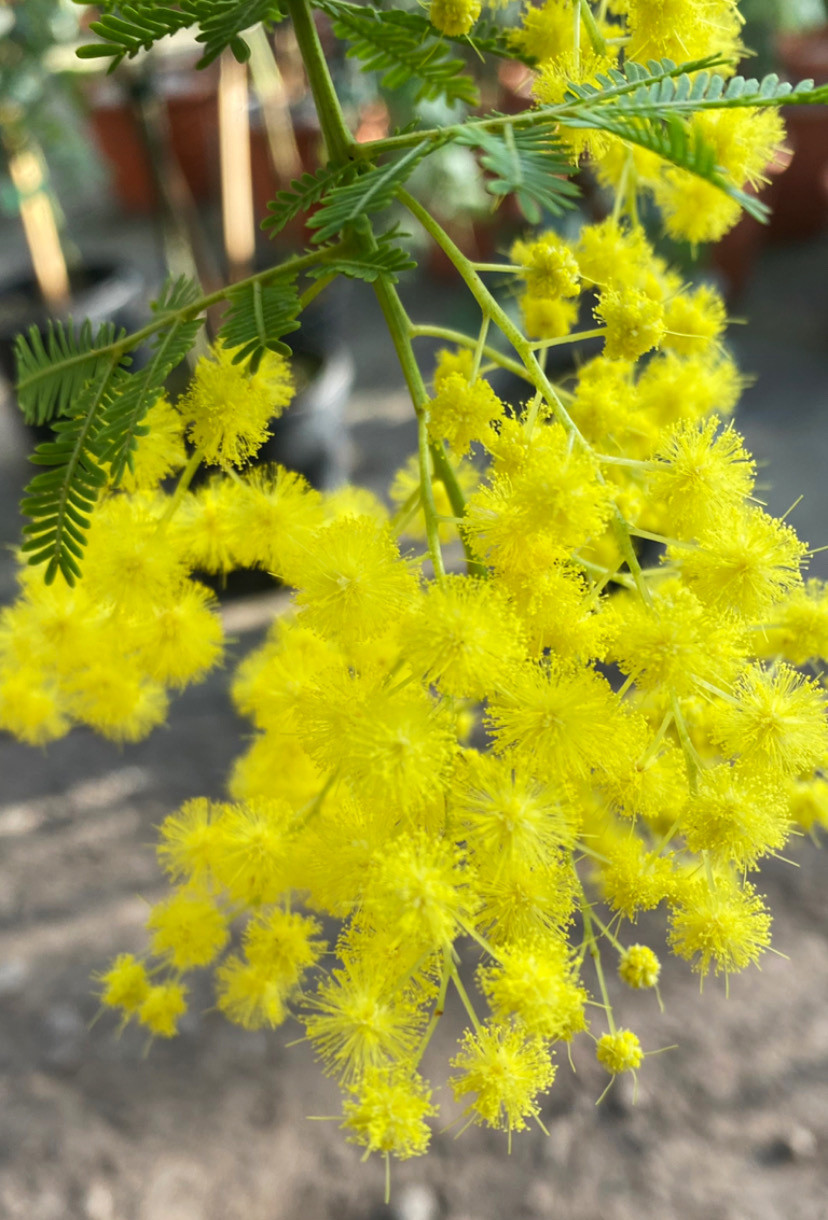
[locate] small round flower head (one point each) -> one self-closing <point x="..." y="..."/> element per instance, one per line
<point x="179" y="641"/>
<point x="354" y="580"/>
<point x="284" y="942"/>
<point x="188" y="930"/>
<point x="355" y="1021"/>
<point x="269" y="679"/>
<point x="549" y="267"/>
<point x="163" y="1004"/>
<point x="745" y="563"/>
<point x="520" y="902"/>
<point x="694" y="210"/>
<point x="250" y="994"/>
<point x="619" y="1052"/>
<point x="799" y="628"/>
<point x="417" y="890"/>
<point x="203" y="530"/>
<point x="723" y="926"/>
<point x="125" y="984"/>
<point x="228" y="408"/>
<point x="612" y="254"/>
<point x="386" y="1112"/>
<point x="253" y="865"/>
<point x="462" y="635"/>
<point x="674" y="387"/>
<point x="276" y="764"/>
<point x="114" y="699"/>
<point x="454" y="17"/>
<point x="808" y="804"/>
<point x="703" y="471"/>
<point x="547" y="31"/>
<point x="639" y="967"/>
<point x="192" y="840"/>
<point x="736" y="815"/>
<point x="505" y="1068"/>
<point x="545" y="318"/>
<point x="506" y="813"/>
<point x="634" y="879"/>
<point x="776" y="721"/>
<point x="125" y="564"/>
<point x="634" y="322"/>
<point x="32" y="706"/>
<point x="276" y="514"/>
<point x="461" y="412"/>
<point x="160" y="450"/>
<point x="695" y="320"/>
<point x="689" y="29"/>
<point x="537" y="983"/>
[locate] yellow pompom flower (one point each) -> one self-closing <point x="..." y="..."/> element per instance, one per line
<point x="673" y="387"/>
<point x="725" y="926"/>
<point x="703" y="472"/>
<point x="505" y="1068"/>
<point x="192" y="840"/>
<point x="228" y="408"/>
<point x="269" y="679"/>
<point x="285" y="943"/>
<point x="634" y="321"/>
<point x="523" y="902"/>
<point x="547" y="31"/>
<point x="178" y="642"/>
<point x="356" y="1022"/>
<point x="461" y="412"/>
<point x="462" y="635"/>
<point x="506" y="813"/>
<point x="125" y="984"/>
<point x="744" y="564"/>
<point x="126" y="564"/>
<point x="550" y="268"/>
<point x="547" y="319"/>
<point x="418" y="891"/>
<point x="775" y="721"/>
<point x="160" y="450"/>
<point x="203" y="530"/>
<point x="32" y="706"/>
<point x="188" y="929"/>
<point x="276" y="764"/>
<point x="736" y="816"/>
<point x="254" y="862"/>
<point x="250" y="994"/>
<point x="354" y="581"/>
<point x="639" y="967"/>
<point x="386" y="1112"/>
<point x="275" y="516"/>
<point x="113" y="697"/>
<point x="619" y="1052"/>
<point x="682" y="29"/>
<point x="537" y="983"/>
<point x="694" y="320"/>
<point x="808" y="804"/>
<point x="694" y="210"/>
<point x="634" y="879"/>
<point x="454" y="17"/>
<point x="799" y="628"/>
<point x="162" y="1007"/>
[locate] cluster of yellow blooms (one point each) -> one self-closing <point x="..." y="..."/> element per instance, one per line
<point x="445" y="761"/>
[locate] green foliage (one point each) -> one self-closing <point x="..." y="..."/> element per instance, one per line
<point x="528" y="163"/>
<point x="122" y="426"/>
<point x="389" y="260"/>
<point x="301" y="195"/>
<point x="53" y="369"/>
<point x="259" y="315"/>
<point x="59" y="499"/>
<point x="371" y="192"/>
<point x="126" y="29"/>
<point x="402" y="47"/>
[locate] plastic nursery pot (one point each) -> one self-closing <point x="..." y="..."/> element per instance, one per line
<point x="100" y="291"/>
<point x="801" y="202"/>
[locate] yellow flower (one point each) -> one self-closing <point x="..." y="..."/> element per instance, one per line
<point x="386" y="1112"/>
<point x="639" y="967"/>
<point x="619" y="1052"/>
<point x="505" y="1068"/>
<point x="454" y="17"/>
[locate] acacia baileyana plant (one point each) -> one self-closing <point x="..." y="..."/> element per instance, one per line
<point x="361" y="796"/>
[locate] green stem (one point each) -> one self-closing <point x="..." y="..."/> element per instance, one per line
<point x="340" y="143"/>
<point x="464" y="996"/>
<point x="439" y="1007"/>
<point x="183" y="484"/>
<point x="432" y="524"/>
<point x="599" y="45"/>
<point x="457" y="336"/>
<point x="595" y="954"/>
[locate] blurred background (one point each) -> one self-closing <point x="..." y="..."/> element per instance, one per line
<point x="107" y="185"/>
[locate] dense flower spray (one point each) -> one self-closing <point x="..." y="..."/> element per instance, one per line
<point x="457" y="765"/>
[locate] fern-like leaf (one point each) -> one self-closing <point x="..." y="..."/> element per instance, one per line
<point x="370" y="192"/>
<point x="58" y="501"/>
<point x="258" y="317"/>
<point x="403" y="47"/>
<point x="389" y="260"/>
<point x="122" y="420"/>
<point x="302" y="194"/>
<point x="125" y="29"/>
<point x="53" y="368"/>
<point x="529" y="164"/>
<point x="673" y="140"/>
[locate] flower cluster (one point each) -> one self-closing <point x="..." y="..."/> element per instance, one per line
<point x="456" y="755"/>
